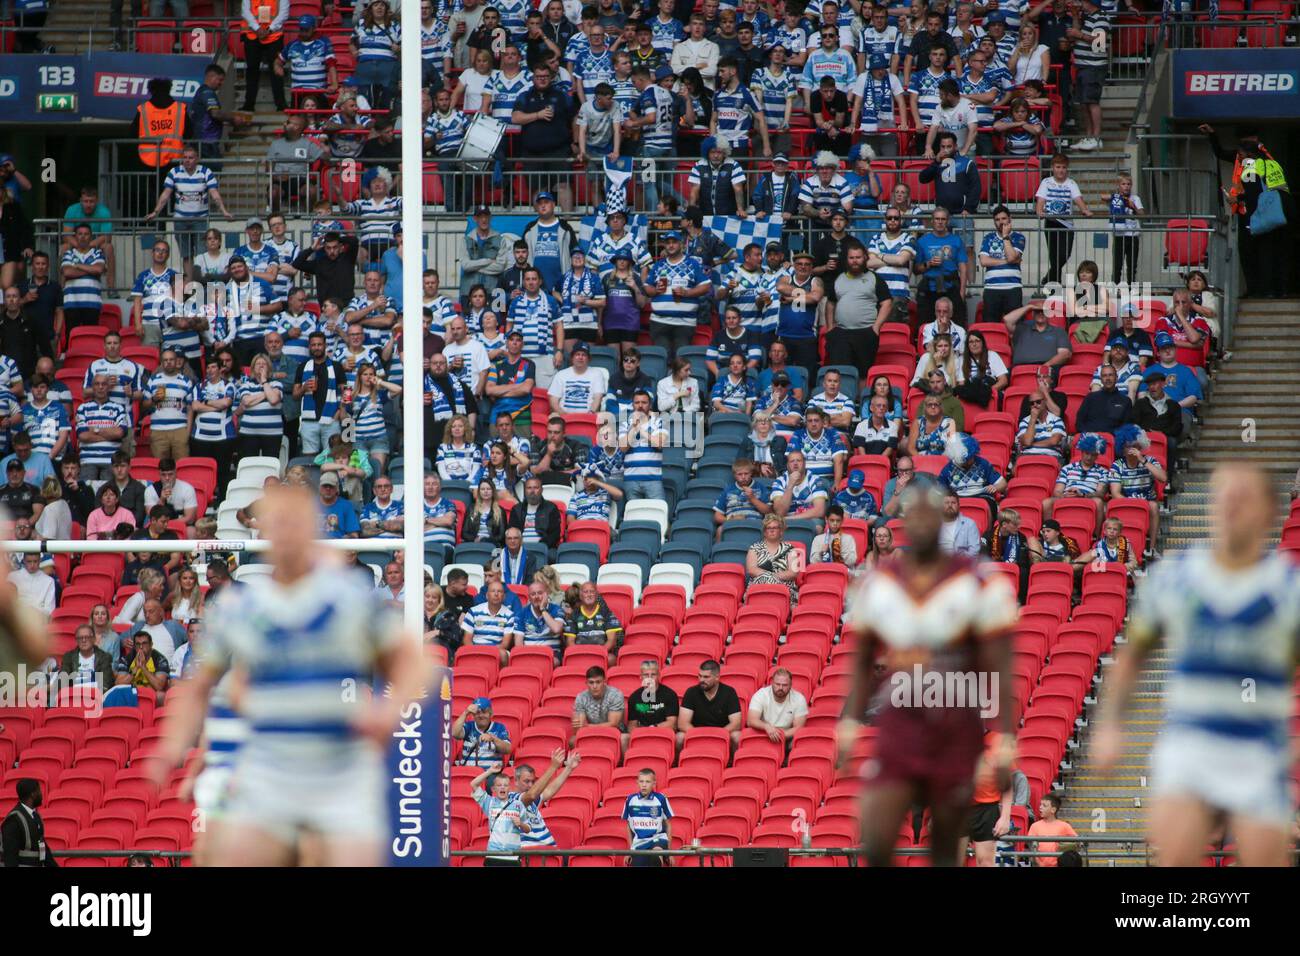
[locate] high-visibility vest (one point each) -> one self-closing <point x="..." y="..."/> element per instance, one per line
<point x="160" y="134"/>
<point x="265" y="11"/>
<point x="1244" y="170"/>
<point x="30" y="853"/>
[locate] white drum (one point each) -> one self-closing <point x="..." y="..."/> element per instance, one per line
<point x="482" y="139"/>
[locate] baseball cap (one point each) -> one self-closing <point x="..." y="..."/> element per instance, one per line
<point x="856" y="480"/>
<point x="996" y="16"/>
<point x="253" y="221"/>
<point x="306" y="22"/>
<point x="878" y="62"/>
<point x="781" y="378"/>
<point x="5" y="158"/>
<point x="513" y="332"/>
<point x="775" y="245"/>
<point x="15" y="465"/>
<point x="780" y="158"/>
<point x="1053" y="524"/>
<point x="1118" y="341"/>
<point x="663" y="72"/>
<point x="482" y="211"/>
<point x="622" y="254"/>
<point x="483" y="703"/>
<point x="784" y="48"/>
<point x="581" y="347"/>
<point x="544" y="194"/>
<point x="672" y="234"/>
<point x="1154" y="374"/>
<point x="329" y="478"/>
<point x="1163" y="339"/>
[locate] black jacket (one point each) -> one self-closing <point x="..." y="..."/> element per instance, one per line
<point x="335" y="278"/>
<point x="1148" y="419"/>
<point x="1103" y="411"/>
<point x="14" y="838"/>
<point x="103" y="664"/>
<point x="132" y="499"/>
<point x="22" y="340"/>
<point x="548" y="521"/>
<point x="496" y="528"/>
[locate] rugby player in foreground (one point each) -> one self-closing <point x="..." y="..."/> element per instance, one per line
<point x="1231" y="616"/>
<point x="304" y="644"/>
<point x="943" y="617"/>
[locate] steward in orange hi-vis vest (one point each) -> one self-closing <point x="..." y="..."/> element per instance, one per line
<point x="160" y="129"/>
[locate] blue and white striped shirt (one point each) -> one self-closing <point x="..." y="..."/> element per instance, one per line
<point x="659" y="134"/>
<point x="98" y="416"/>
<point x="438" y="534"/>
<point x="296" y="348"/>
<point x="308" y="62"/>
<point x="774" y="91"/>
<point x="377" y="42"/>
<point x="214" y="426"/>
<point x="487" y="627"/>
<point x="821" y="452"/>
<point x="447" y="131"/>
<point x="1046" y="426"/>
<point x="125" y="377"/>
<point x="377" y="217"/>
<point x="897" y="278"/>
<point x="646" y="816"/>
<point x="45" y="424"/>
<point x="173" y="412"/>
<point x="262" y="418"/>
<point x="504" y="90"/>
<point x="83" y="292"/>
<point x="535" y="318"/>
<point x="1004" y="276"/>
<point x="641" y="460"/>
<point x="686" y="273"/>
<point x="926" y="87"/>
<point x="190" y="191"/>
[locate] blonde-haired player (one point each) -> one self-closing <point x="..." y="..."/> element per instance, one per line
<point x="306" y="642"/>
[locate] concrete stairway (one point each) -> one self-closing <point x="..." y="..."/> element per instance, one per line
<point x="1255" y="382"/>
<point x="78" y="26"/>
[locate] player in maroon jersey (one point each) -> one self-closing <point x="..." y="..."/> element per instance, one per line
<point x="941" y="629"/>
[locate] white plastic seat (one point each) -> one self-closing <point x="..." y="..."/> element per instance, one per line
<point x="257" y="468"/>
<point x="246" y="571"/>
<point x="241" y="493"/>
<point x="629" y="574"/>
<point x="475" y="572"/>
<point x="648" y="509"/>
<point x="557" y="494"/>
<point x="228" y="526"/>
<point x="675" y="572"/>
<point x="572" y="573"/>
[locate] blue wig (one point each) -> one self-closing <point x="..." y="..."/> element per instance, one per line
<point x="1127" y="435"/>
<point x="961" y="448"/>
<point x="1091" y="444"/>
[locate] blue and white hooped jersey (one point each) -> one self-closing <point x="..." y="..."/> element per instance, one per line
<point x="286" y="250"/>
<point x="983" y="111"/>
<point x="1081" y="479"/>
<point x="593" y="68"/>
<point x="487" y="627"/>
<point x="157" y="294"/>
<point x="173" y="411"/>
<point x="862" y="505"/>
<point x="94" y="415"/>
<point x="838" y="405"/>
<point x="45" y="424"/>
<point x="83" y="292"/>
<point x="897" y="278"/>
<point x="685" y="273"/>
<point x="458" y="461"/>
<point x="646" y="817"/>
<point x="439" y="534"/>
<point x="1006" y="276"/>
<point x="925" y="86"/>
<point x="1044" y="429"/>
<point x="666" y="35"/>
<point x="377" y="217"/>
<point x="734" y="396"/>
<point x="308" y="62"/>
<point x="794" y="39"/>
<point x="642" y="461"/>
<point x="733" y="502"/>
<point x="367" y="413"/>
<point x="189" y="193"/>
<point x="260" y="259"/>
<point x="589" y="506"/>
<point x="804" y="494"/>
<point x="504" y="91"/>
<point x="734" y="112"/>
<point x="774" y="91"/>
<point x="1228" y="632"/>
<point x="124" y="375"/>
<point x="435" y="43"/>
<point x="659" y="134"/>
<point x="625" y="96"/>
<point x="787" y="406"/>
<point x="514" y="15"/>
<point x="1058" y="198"/>
<point x="261" y="418"/>
<point x="820" y="452"/>
<point x="744" y="298"/>
<point x="825" y="196"/>
<point x="600" y="254"/>
<point x="837" y="64"/>
<point x="535" y="318"/>
<point x="873" y="42"/>
<point x="447" y="130"/>
<point x="296" y="348"/>
<point x="214" y="426"/>
<point x="377" y="42"/>
<point x="392" y="511"/>
<point x="503" y="817"/>
<point x="1134" y="482"/>
<point x="224" y="730"/>
<point x="298" y="644"/>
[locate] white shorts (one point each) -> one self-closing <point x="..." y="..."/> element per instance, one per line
<point x="211" y="791"/>
<point x="545" y="369"/>
<point x="348" y="802"/>
<point x="1238" y="777"/>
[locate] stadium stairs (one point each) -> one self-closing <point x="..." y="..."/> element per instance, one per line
<point x="1255" y="381"/>
<point x="78" y="26"/>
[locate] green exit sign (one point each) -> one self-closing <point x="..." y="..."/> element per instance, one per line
<point x="57" y="102"/>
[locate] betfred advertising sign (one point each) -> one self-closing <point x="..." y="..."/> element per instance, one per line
<point x="1236" y="84"/>
<point x="99" y="86"/>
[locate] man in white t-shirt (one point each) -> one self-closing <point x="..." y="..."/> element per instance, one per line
<point x="467" y="358"/>
<point x="178" y="495"/>
<point x="957" y="115"/>
<point x="579" y="388"/>
<point x="778" y="710"/>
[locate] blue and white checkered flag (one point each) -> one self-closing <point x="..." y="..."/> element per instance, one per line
<point x="616" y="178"/>
<point x="593" y="226"/>
<point x="738" y="233"/>
<point x="1214" y="9"/>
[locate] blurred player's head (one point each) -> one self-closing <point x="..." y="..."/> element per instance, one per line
<point x="922" y="518"/>
<point x="290" y="524"/>
<point x="1245" y="505"/>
